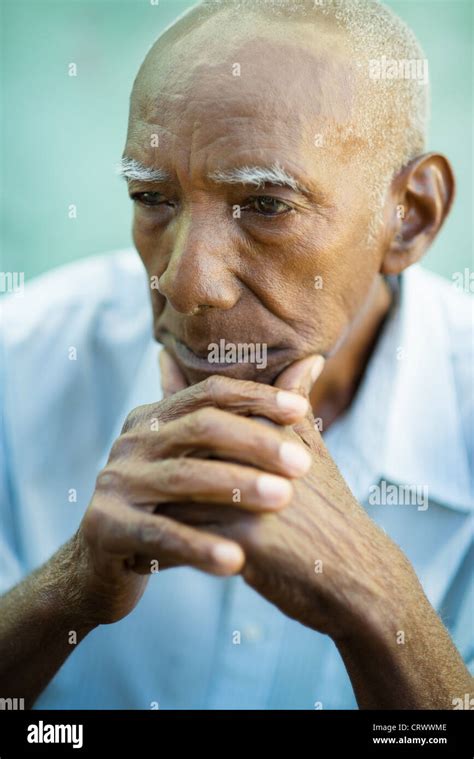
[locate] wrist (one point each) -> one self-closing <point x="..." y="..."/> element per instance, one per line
<point x="62" y="592"/>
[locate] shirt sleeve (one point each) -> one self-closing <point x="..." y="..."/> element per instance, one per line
<point x="10" y="567"/>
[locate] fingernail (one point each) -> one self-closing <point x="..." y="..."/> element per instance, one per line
<point x="317" y="368"/>
<point x="225" y="553"/>
<point x="295" y="457"/>
<point x="292" y="402"/>
<point x="275" y="490"/>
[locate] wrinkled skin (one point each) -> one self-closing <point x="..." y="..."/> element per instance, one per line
<point x="306" y="558"/>
<point x="169" y="495"/>
<point x="250" y="277"/>
<point x="168" y="492"/>
<point x="254" y="273"/>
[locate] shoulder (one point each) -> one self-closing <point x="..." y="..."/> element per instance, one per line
<point x="446" y="309"/>
<point x="73" y="339"/>
<point x="75" y="297"/>
<point x="452" y="296"/>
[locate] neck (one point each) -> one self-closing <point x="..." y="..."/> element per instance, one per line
<point x="335" y="389"/>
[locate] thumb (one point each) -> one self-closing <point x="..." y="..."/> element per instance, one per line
<point x="172" y="378"/>
<point x="301" y="375"/>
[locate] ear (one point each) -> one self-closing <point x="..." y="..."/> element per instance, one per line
<point x="419" y="199"/>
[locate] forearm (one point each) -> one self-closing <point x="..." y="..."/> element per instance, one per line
<point x="38" y="619"/>
<point x="405" y="659"/>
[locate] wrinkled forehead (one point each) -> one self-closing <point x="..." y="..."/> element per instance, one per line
<point x="279" y="86"/>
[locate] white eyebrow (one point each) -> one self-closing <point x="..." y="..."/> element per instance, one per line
<point x="129" y="168"/>
<point x="257" y="176"/>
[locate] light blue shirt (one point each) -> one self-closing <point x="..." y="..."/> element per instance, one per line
<point x="77" y="355"/>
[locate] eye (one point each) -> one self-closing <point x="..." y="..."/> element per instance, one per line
<point x="149" y="199"/>
<point x="266" y="205"/>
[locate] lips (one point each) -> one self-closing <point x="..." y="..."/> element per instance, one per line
<point x="199" y="360"/>
<point x="181" y="348"/>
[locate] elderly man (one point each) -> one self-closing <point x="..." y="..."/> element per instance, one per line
<point x="309" y="451"/>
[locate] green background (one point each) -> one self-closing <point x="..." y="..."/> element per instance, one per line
<point x="62" y="135"/>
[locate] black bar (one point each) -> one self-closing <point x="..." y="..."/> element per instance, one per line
<point x="312" y="733"/>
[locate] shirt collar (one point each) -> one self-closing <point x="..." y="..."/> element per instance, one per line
<point x="404" y="424"/>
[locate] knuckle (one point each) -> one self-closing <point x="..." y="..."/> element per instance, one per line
<point x="172" y="474"/>
<point x="109" y="479"/>
<point x="202" y="422"/>
<point x="131" y="421"/>
<point x="149" y="534"/>
<point x="137" y="416"/>
<point x="214" y="386"/>
<point x="124" y="445"/>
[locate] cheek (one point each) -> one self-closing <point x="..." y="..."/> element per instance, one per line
<point x="327" y="287"/>
<point x="344" y="294"/>
<point x="145" y="249"/>
<point x="146" y="244"/>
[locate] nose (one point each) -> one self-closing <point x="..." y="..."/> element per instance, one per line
<point x="199" y="274"/>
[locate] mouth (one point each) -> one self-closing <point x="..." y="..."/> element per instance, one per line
<point x="237" y="359"/>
